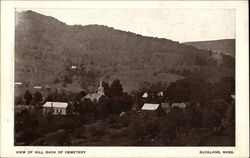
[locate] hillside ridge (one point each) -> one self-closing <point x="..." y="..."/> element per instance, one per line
<point x="225" y="46"/>
<point x="46" y="48"/>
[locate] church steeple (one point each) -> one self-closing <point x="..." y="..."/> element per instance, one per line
<point x="100" y="83"/>
<point x="100" y="88"/>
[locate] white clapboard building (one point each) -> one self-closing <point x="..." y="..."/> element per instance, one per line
<point x="56" y="108"/>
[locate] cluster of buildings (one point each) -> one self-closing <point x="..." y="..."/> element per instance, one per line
<point x="62" y="108"/>
<point x="148" y="106"/>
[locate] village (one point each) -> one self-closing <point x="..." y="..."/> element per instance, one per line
<point x="109" y="116"/>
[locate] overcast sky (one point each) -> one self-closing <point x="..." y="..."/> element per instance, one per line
<point x="178" y="25"/>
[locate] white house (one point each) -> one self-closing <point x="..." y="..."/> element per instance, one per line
<point x="150" y="106"/>
<point x="56" y="108"/>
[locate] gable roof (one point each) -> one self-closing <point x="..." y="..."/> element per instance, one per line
<point x="93" y="96"/>
<point x="150" y="106"/>
<point x="122" y="114"/>
<point x="160" y="94"/>
<point x="145" y="95"/>
<point x="55" y="104"/>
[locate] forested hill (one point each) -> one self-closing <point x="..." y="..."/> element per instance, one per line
<point x="46" y="48"/>
<point x="225" y="46"/>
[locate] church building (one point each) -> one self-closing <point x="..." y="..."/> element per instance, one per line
<point x="96" y="96"/>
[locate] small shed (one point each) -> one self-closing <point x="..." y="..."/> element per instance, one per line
<point x="179" y="105"/>
<point x="57" y="108"/>
<point x="18" y="83"/>
<point x="122" y="114"/>
<point x="160" y="94"/>
<point x="166" y="107"/>
<point x="38" y="87"/>
<point x="150" y="106"/>
<point x="233" y="96"/>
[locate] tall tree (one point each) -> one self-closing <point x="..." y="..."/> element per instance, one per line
<point x="107" y="89"/>
<point x="37" y="97"/>
<point x="67" y="79"/>
<point x="27" y="97"/>
<point x="116" y="88"/>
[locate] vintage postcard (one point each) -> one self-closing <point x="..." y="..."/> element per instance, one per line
<point x="124" y="79"/>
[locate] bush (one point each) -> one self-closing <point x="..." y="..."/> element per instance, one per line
<point x="152" y="127"/>
<point x="124" y="121"/>
<point x="64" y="84"/>
<point x="79" y="132"/>
<point x="137" y="130"/>
<point x="211" y="119"/>
<point x="56" y="80"/>
<point x="67" y="79"/>
<point x="65" y="122"/>
<point x="124" y="132"/>
<point x="97" y="130"/>
<point x="168" y="132"/>
<point x="112" y="119"/>
<point x="18" y="100"/>
<point x="119" y="104"/>
<point x="28" y="136"/>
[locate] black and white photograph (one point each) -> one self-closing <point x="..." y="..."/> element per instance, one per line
<point x="124" y="77"/>
<point x="130" y="79"/>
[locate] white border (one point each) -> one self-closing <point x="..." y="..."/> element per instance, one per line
<point x="242" y="80"/>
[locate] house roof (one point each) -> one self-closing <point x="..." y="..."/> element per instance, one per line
<point x="93" y="96"/>
<point x="160" y="94"/>
<point x="56" y="104"/>
<point x="180" y="105"/>
<point x="149" y="106"/>
<point x="122" y="114"/>
<point x="145" y="95"/>
<point x="38" y="87"/>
